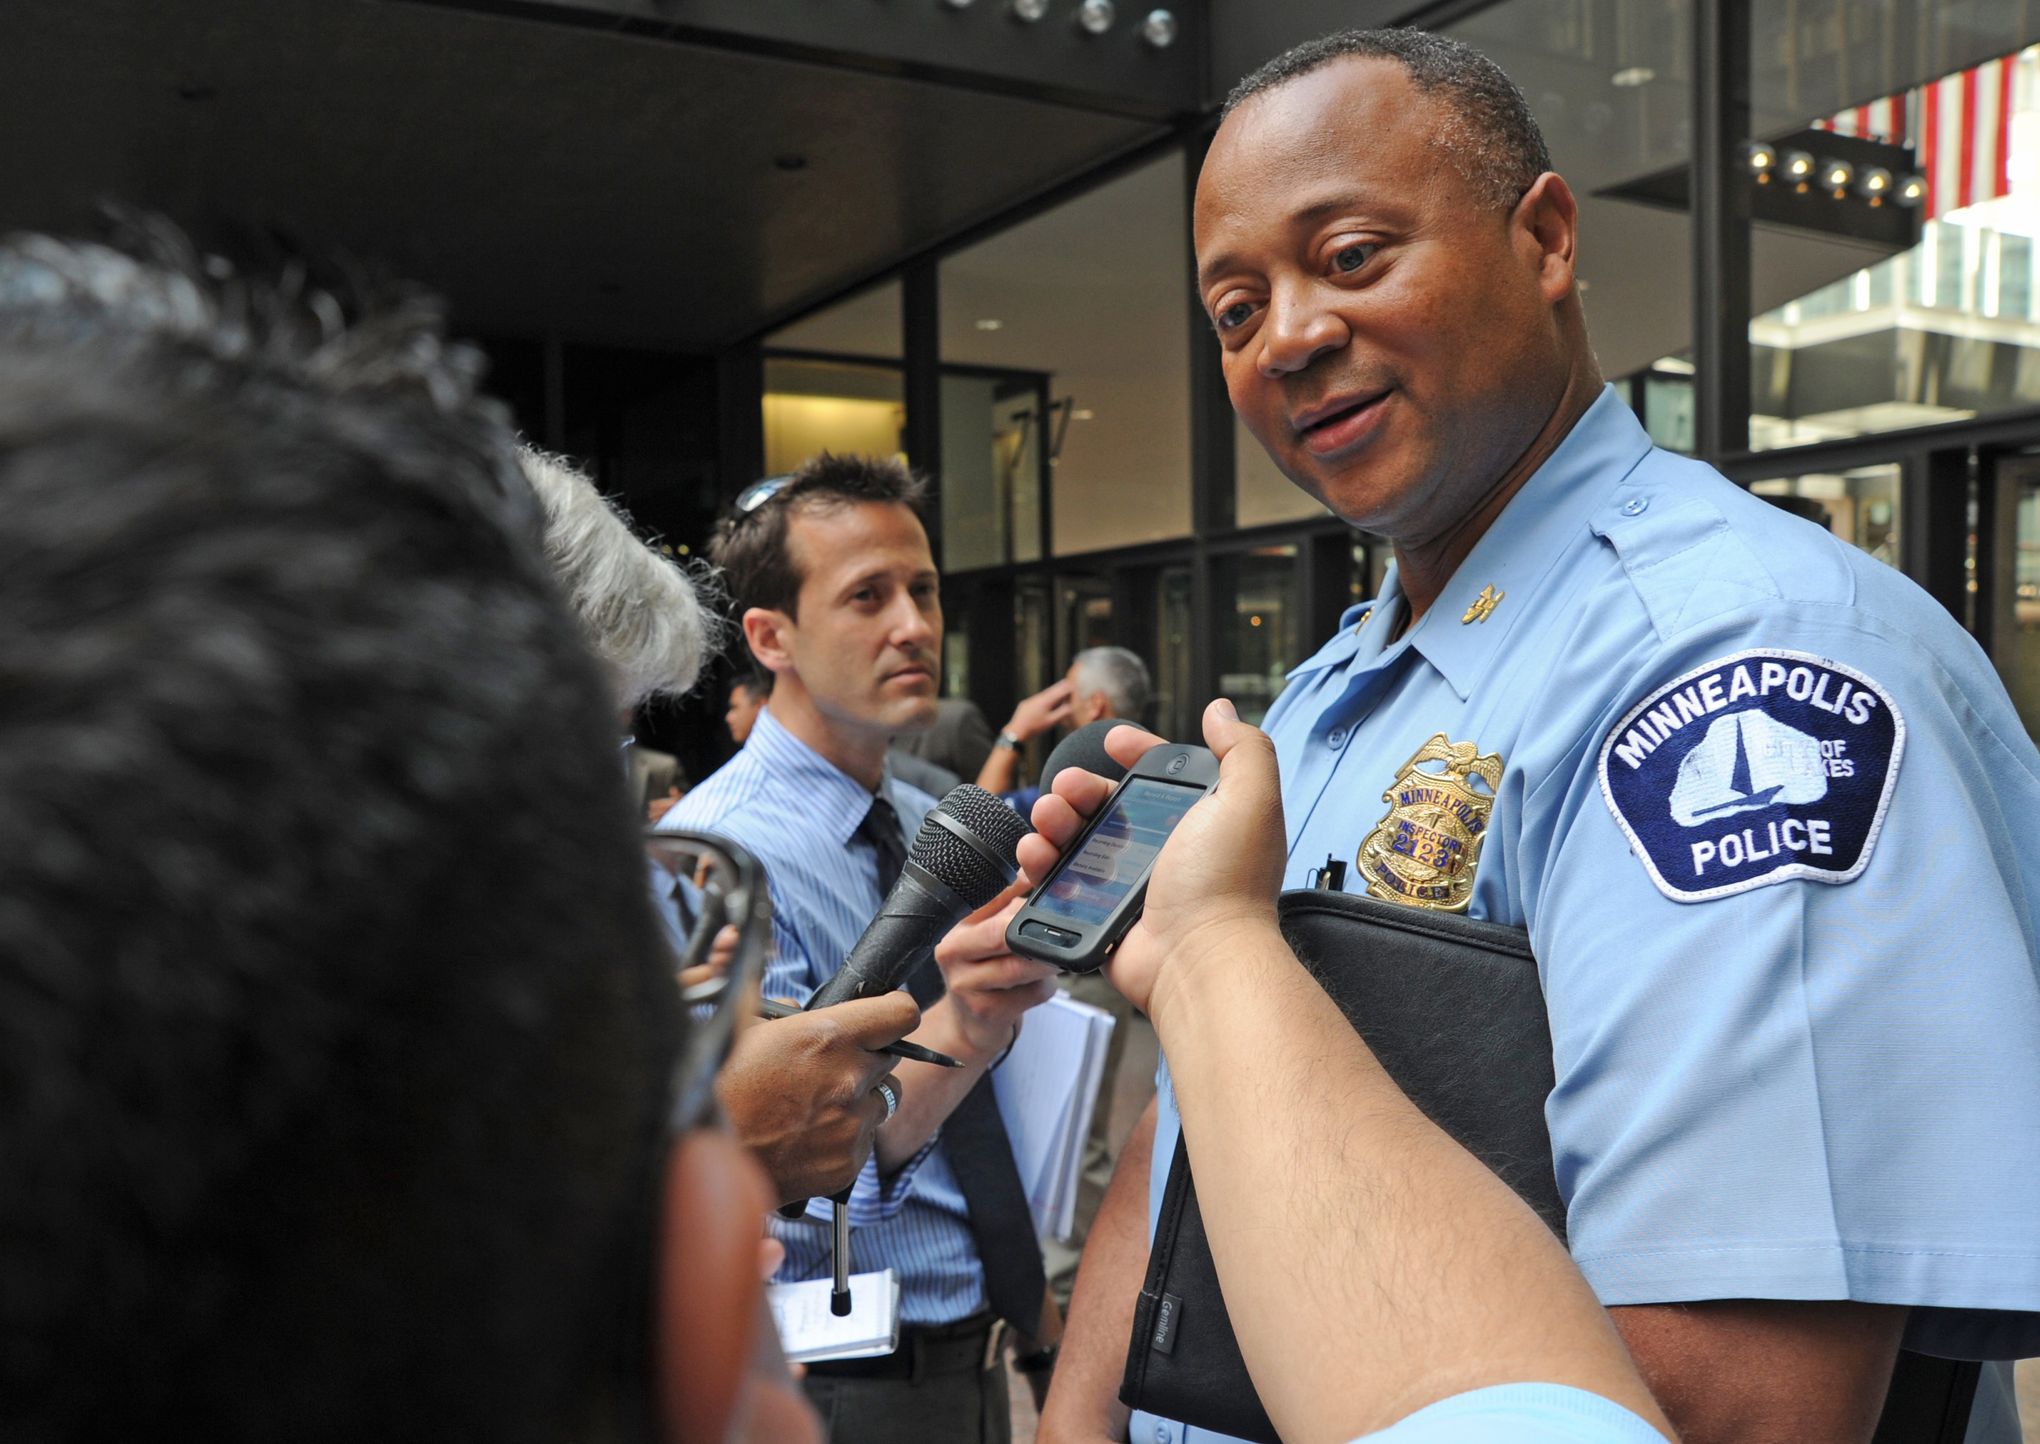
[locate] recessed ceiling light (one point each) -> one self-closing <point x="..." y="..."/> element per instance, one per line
<point x="1159" y="29"/>
<point x="1084" y="414"/>
<point x="989" y="323"/>
<point x="1633" y="75"/>
<point x="1029" y="10"/>
<point x="1095" y="17"/>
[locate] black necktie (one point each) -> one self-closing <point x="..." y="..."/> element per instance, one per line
<point x="881" y="828"/>
<point x="974" y="1137"/>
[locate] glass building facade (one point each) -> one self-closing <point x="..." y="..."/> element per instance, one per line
<point x="1882" y="185"/>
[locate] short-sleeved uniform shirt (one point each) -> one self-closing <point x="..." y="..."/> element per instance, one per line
<point x="1520" y="1414"/>
<point x="1774" y="829"/>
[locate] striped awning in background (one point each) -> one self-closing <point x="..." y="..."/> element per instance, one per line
<point x="1959" y="126"/>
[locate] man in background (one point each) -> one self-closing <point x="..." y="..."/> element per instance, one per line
<point x="839" y="600"/>
<point x="802" y="1095"/>
<point x="959" y="740"/>
<point x="747" y="696"/>
<point x="1102" y="682"/>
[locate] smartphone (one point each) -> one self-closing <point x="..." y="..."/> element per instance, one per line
<point x="1081" y="910"/>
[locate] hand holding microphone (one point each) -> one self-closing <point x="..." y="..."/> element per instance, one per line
<point x="961" y="861"/>
<point x="962" y="858"/>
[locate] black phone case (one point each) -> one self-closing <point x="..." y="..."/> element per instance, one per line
<point x="1180" y="763"/>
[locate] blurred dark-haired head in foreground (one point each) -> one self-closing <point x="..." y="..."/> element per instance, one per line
<point x="332" y="1091"/>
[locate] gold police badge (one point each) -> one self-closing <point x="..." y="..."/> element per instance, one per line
<point x="1425" y="850"/>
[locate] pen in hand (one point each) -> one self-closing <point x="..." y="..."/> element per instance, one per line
<point x="913" y="1052"/>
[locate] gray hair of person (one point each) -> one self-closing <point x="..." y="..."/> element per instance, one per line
<point x="642" y="613"/>
<point x="1489" y="134"/>
<point x="1119" y="674"/>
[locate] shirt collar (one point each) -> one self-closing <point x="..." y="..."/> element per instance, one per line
<point x="836" y="801"/>
<point x="1524" y="546"/>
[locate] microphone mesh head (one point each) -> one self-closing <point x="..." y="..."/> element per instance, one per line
<point x="1085" y="748"/>
<point x="965" y="870"/>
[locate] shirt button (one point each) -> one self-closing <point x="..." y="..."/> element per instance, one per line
<point x="1162" y="1435"/>
<point x="1635" y="505"/>
<point x="1336" y="738"/>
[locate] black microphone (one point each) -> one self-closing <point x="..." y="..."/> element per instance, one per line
<point x="1085" y="749"/>
<point x="962" y="858"/>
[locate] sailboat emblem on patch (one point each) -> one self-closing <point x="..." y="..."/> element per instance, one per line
<point x="1756" y="768"/>
<point x="1424" y="852"/>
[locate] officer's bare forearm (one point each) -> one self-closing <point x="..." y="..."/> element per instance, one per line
<point x="1083" y="1403"/>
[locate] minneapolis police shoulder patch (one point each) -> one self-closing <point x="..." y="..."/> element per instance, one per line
<point x="1756" y="768"/>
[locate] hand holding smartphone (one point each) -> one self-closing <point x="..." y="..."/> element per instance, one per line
<point x="1081" y="910"/>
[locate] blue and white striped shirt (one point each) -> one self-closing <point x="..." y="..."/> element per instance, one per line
<point x="798" y="812"/>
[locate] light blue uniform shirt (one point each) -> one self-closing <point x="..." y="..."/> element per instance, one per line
<point x="799" y="813"/>
<point x="1520" y="1414"/>
<point x="1770" y="821"/>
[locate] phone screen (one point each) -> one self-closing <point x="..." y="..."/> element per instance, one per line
<point x="1115" y="857"/>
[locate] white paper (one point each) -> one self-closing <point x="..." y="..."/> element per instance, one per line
<point x="809" y="1333"/>
<point x="1047" y="1090"/>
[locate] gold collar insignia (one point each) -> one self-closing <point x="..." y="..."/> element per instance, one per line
<point x="1483" y="605"/>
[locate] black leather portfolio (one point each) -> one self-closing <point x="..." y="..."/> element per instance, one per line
<point x="1453" y="1009"/>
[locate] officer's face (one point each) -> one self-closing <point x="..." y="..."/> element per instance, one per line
<point x="1387" y="335"/>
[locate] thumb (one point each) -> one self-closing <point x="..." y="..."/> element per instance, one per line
<point x="1246" y="756"/>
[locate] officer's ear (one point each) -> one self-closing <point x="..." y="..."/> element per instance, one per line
<point x="717" y="1362"/>
<point x="1545" y="228"/>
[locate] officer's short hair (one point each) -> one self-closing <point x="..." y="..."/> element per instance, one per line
<point x="1493" y="140"/>
<point x="1121" y="675"/>
<point x="333" y="1078"/>
<point x="750" y="546"/>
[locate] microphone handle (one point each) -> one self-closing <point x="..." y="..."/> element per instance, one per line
<point x="920" y="909"/>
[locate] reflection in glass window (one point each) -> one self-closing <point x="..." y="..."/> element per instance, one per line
<point x="1947" y="329"/>
<point x="1668" y="408"/>
<point x="813" y="406"/>
<point x="992" y="429"/>
<point x="2019" y="653"/>
<point x="1261" y="493"/>
<point x="1260" y="639"/>
<point x="1169" y="664"/>
<point x="1860" y="506"/>
<point x="1610" y="84"/>
<point x="1095" y="296"/>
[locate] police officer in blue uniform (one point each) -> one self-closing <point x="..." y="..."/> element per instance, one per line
<point x="1762" y="805"/>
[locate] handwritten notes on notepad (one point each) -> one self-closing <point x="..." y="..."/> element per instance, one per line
<point x="809" y="1333"/>
<point x="1047" y="1090"/>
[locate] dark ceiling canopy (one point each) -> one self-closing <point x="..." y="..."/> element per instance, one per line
<point x="552" y="178"/>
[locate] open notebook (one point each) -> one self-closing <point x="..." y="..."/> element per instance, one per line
<point x="1047" y="1091"/>
<point x="809" y="1333"/>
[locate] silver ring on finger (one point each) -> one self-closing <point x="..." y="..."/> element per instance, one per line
<point x="892" y="1099"/>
